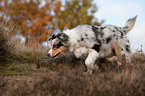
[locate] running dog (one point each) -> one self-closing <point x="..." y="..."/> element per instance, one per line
<point x="94" y="42"/>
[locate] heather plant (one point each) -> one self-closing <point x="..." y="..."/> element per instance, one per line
<point x="6" y="46"/>
<point x="64" y="79"/>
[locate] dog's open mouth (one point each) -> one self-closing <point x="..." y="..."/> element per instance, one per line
<point x="56" y="55"/>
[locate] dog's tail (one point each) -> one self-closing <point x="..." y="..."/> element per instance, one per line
<point x="130" y="23"/>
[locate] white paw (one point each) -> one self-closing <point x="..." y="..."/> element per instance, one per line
<point x="89" y="72"/>
<point x="119" y="63"/>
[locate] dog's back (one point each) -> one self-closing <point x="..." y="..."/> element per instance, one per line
<point x="81" y="36"/>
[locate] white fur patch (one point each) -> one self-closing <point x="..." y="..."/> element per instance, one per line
<point x="77" y="34"/>
<point x="81" y="51"/>
<point x="90" y="61"/>
<point x="50" y="52"/>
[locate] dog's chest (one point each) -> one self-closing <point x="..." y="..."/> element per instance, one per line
<point x="105" y="50"/>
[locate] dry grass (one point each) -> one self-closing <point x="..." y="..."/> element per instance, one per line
<point x="65" y="77"/>
<point x="31" y="73"/>
<point x="29" y="54"/>
<point x="10" y="49"/>
<point x="6" y="47"/>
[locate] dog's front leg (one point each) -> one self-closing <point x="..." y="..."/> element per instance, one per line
<point x="90" y="61"/>
<point x="81" y="51"/>
<point x="78" y="53"/>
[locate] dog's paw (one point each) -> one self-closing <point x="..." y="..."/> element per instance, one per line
<point x="119" y="63"/>
<point x="89" y="72"/>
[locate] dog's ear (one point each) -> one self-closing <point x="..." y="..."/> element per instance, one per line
<point x="62" y="36"/>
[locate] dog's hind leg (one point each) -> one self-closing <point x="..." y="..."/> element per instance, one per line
<point x="90" y="61"/>
<point x="126" y="60"/>
<point x="117" y="52"/>
<point x="122" y="56"/>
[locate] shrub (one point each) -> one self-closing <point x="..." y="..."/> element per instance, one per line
<point x="6" y="47"/>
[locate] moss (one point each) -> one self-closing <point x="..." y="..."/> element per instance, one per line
<point x="11" y="69"/>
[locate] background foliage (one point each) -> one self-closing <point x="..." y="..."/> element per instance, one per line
<point x="34" y="17"/>
<point x="76" y="12"/>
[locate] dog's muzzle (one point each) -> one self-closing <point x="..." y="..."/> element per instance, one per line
<point x="49" y="55"/>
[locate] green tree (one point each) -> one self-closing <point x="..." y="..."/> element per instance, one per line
<point x="76" y="12"/>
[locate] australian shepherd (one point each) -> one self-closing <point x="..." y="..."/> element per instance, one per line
<point x="94" y="42"/>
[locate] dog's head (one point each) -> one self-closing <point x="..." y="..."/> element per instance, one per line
<point x="57" y="44"/>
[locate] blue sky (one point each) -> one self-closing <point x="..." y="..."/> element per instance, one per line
<point x="116" y="12"/>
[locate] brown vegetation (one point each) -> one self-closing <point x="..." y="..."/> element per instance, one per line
<point x="6" y="46"/>
<point x="33" y="18"/>
<point x="64" y="76"/>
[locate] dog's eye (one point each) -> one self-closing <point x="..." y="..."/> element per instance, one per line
<point x="56" y="46"/>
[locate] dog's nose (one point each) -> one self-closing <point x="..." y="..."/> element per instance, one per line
<point x="48" y="54"/>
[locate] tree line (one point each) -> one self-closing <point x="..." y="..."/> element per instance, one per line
<point x="39" y="17"/>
